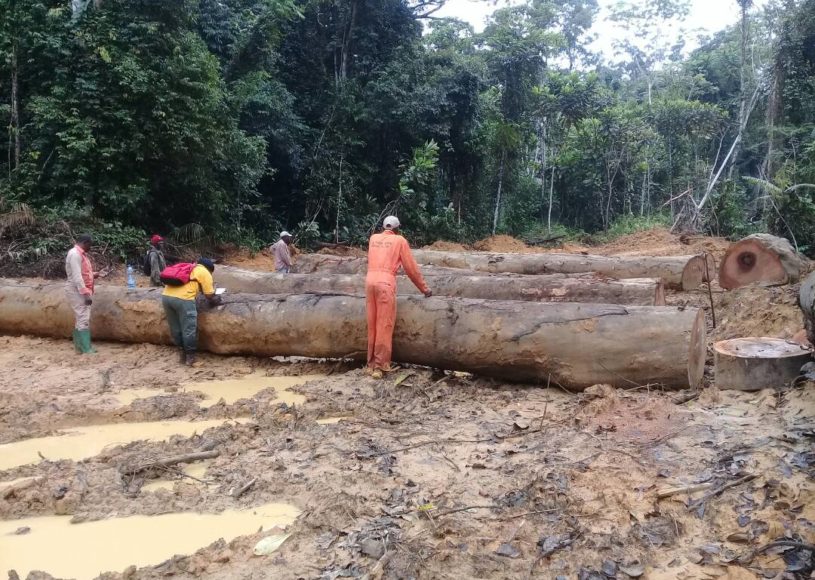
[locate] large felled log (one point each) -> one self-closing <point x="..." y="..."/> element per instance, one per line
<point x="755" y="363"/>
<point x="683" y="272"/>
<point x="760" y="259"/>
<point x="574" y="345"/>
<point x="548" y="288"/>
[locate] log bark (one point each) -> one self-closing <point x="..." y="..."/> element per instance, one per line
<point x="806" y="299"/>
<point x="548" y="288"/>
<point x="680" y="272"/>
<point x="760" y="259"/>
<point x="755" y="363"/>
<point x="573" y="345"/>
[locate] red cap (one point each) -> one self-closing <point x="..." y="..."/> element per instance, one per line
<point x="156" y="239"/>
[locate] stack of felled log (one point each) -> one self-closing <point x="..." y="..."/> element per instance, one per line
<point x="565" y="319"/>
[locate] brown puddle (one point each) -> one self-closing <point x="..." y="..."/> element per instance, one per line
<point x="85" y="442"/>
<point x="231" y="390"/>
<point x="85" y="550"/>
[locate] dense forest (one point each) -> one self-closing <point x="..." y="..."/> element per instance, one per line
<point x="237" y="118"/>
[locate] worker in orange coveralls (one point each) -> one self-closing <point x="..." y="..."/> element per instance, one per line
<point x="386" y="252"/>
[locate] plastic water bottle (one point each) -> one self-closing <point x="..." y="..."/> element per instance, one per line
<point x="131" y="279"/>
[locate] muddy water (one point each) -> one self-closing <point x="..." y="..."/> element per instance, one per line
<point x="231" y="390"/>
<point x="129" y="395"/>
<point x="85" y="550"/>
<point x="84" y="442"/>
<point x="247" y="387"/>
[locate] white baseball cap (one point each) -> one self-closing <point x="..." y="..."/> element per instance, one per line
<point x="391" y="222"/>
<point x="285" y="234"/>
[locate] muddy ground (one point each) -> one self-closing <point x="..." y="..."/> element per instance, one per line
<point x="440" y="475"/>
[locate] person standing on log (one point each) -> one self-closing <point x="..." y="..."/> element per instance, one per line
<point x="182" y="312"/>
<point x="386" y="253"/>
<point x="79" y="290"/>
<point x="155" y="260"/>
<point x="282" y="256"/>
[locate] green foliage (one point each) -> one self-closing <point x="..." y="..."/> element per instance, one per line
<point x="43" y="237"/>
<point x="630" y="224"/>
<point x="245" y="117"/>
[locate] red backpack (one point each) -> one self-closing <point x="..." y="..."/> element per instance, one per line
<point x="177" y="274"/>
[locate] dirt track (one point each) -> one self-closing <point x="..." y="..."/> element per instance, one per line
<point x="554" y="484"/>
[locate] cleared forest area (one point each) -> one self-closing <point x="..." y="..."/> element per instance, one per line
<point x="427" y="474"/>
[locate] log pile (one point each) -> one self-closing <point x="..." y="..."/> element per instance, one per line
<point x="760" y="259"/>
<point x="460" y="284"/>
<point x="680" y="272"/>
<point x="573" y="345"/>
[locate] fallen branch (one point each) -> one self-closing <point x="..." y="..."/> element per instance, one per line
<point x="720" y="490"/>
<point x="242" y="490"/>
<point x="672" y="491"/>
<point x="748" y="557"/>
<point x="436" y="441"/>
<point x="19" y="486"/>
<point x="710" y="290"/>
<point x="467" y="508"/>
<point x="379" y="568"/>
<point x="175" y="459"/>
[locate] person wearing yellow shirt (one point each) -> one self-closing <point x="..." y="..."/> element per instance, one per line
<point x="182" y="312"/>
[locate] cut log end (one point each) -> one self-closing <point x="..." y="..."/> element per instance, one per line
<point x="697" y="351"/>
<point x="755" y="363"/>
<point x="760" y="259"/>
<point x="698" y="270"/>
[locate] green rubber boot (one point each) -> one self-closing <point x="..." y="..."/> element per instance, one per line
<point x="85" y="342"/>
<point x="77" y="344"/>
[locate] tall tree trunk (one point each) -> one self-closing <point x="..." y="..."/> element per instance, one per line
<point x="498" y="196"/>
<point x="346" y="41"/>
<point x="14" y="127"/>
<point x="339" y="203"/>
<point x="543" y="170"/>
<point x="551" y="195"/>
<point x="642" y="194"/>
<point x="745" y="5"/>
<point x="774" y="108"/>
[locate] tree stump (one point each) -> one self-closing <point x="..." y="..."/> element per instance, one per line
<point x="760" y="259"/>
<point x="755" y="363"/>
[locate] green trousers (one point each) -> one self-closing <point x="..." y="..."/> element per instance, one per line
<point x="182" y="316"/>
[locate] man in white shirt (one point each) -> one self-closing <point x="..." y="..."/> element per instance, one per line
<point x="79" y="290"/>
<point x="280" y="252"/>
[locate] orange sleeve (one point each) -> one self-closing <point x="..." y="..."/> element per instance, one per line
<point x="411" y="267"/>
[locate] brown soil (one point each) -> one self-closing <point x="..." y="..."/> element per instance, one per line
<point x="344" y="251"/>
<point x="251" y="261"/>
<point x="661" y="242"/>
<point x="500" y="244"/>
<point x="452" y="476"/>
<point x="443" y="246"/>
<point x="751" y="311"/>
